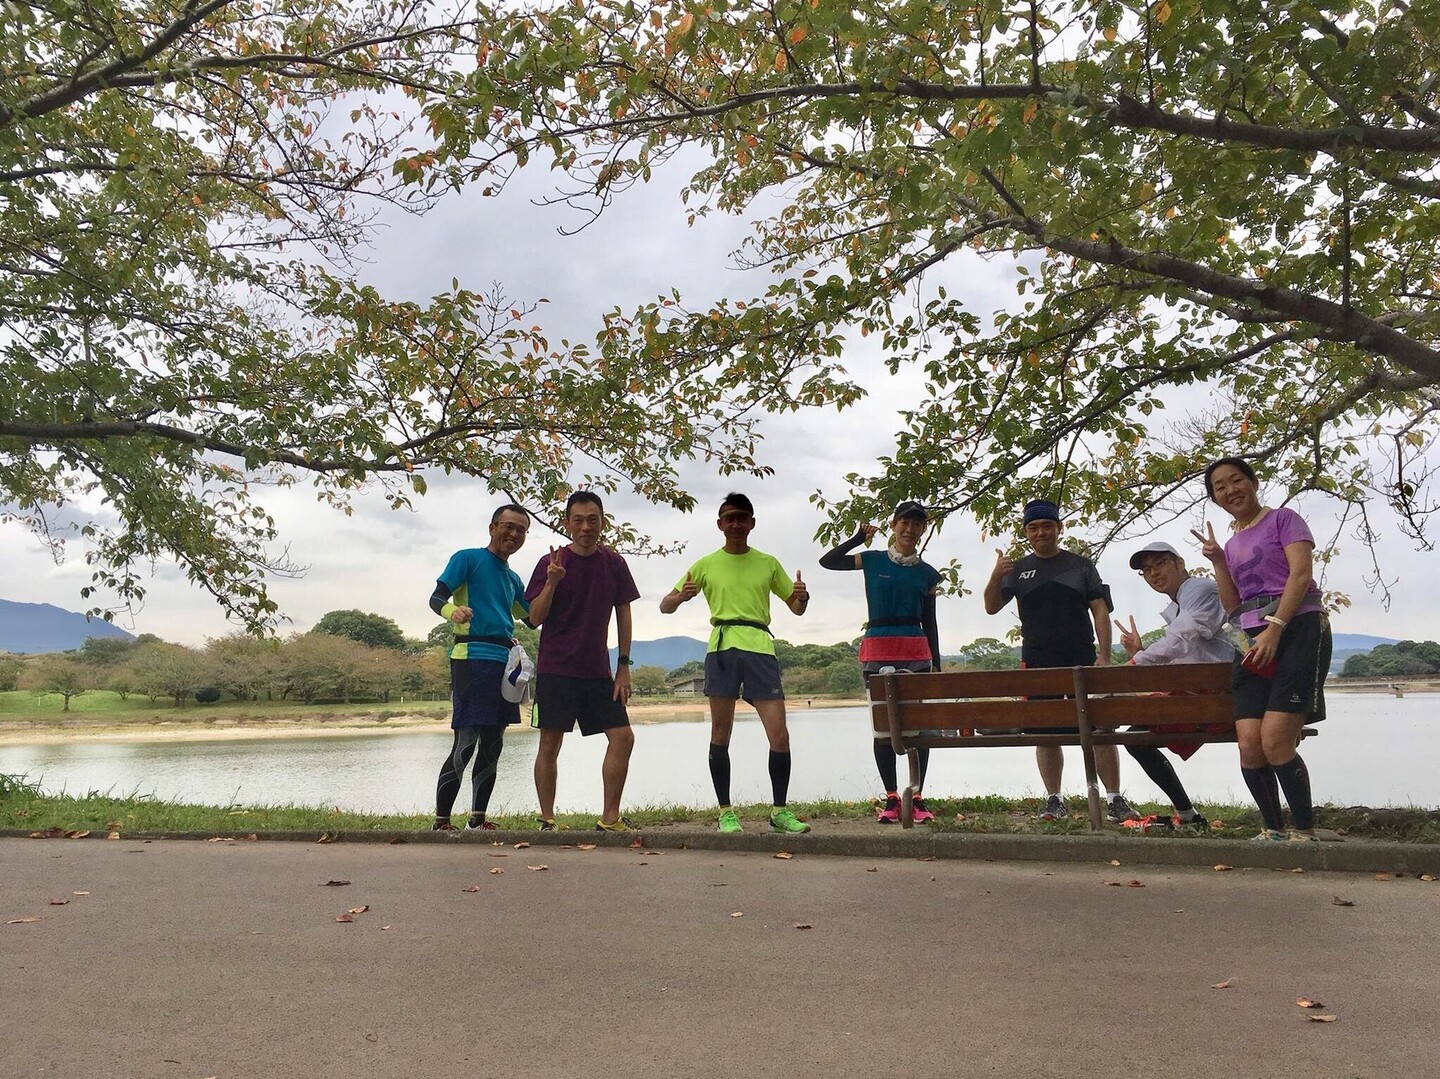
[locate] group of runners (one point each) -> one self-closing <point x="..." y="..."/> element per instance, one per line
<point x="1263" y="586"/>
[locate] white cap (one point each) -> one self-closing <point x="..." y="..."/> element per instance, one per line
<point x="1152" y="548"/>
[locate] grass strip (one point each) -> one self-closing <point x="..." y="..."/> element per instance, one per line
<point x="24" y="807"/>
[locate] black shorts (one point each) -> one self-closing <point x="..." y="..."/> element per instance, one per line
<point x="737" y="674"/>
<point x="1301" y="663"/>
<point x="475" y="695"/>
<point x="562" y="701"/>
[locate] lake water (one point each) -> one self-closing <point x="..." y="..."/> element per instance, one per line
<point x="1373" y="750"/>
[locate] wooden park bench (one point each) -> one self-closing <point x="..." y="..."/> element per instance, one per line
<point x="1085" y="705"/>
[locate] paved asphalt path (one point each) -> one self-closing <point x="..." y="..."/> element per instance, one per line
<point x="194" y="959"/>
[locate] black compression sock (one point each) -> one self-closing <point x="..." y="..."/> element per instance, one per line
<point x="1265" y="789"/>
<point x="885" y="762"/>
<point x="1294" y="780"/>
<point x="780" y="776"/>
<point x="1162" y="773"/>
<point x="720" y="772"/>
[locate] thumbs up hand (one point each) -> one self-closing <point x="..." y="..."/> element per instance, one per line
<point x="1003" y="565"/>
<point x="689" y="590"/>
<point x="799" y="594"/>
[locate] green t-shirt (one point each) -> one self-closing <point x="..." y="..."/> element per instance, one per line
<point x="739" y="586"/>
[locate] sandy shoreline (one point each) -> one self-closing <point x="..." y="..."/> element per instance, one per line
<point x="220" y="730"/>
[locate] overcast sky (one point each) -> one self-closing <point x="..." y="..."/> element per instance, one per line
<point x="386" y="561"/>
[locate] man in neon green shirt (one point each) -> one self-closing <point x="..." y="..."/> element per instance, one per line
<point x="737" y="581"/>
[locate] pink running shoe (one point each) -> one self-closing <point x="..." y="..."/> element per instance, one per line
<point x="890" y="812"/>
<point x="921" y="811"/>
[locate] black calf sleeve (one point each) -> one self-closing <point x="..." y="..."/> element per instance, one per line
<point x="779" y="776"/>
<point x="1294" y="780"/>
<point x="1265" y="789"/>
<point x="720" y="772"/>
<point x="1162" y="773"/>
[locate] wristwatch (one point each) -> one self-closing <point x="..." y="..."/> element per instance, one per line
<point x="624" y="661"/>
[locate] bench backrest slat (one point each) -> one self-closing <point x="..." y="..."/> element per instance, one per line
<point x="1104" y="712"/>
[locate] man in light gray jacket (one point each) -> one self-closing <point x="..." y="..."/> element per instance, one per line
<point x="1194" y="633"/>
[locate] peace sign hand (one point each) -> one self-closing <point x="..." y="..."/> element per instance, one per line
<point x="1209" y="545"/>
<point x="1129" y="637"/>
<point x="555" y="570"/>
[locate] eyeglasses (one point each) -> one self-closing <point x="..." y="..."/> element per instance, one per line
<point x="1153" y="566"/>
<point x="505" y="526"/>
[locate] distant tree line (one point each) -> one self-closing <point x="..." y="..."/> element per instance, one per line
<point x="1391" y="660"/>
<point x="349" y="656"/>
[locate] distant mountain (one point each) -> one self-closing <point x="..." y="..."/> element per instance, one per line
<point x="40" y="627"/>
<point x="667" y="652"/>
<point x="1349" y="644"/>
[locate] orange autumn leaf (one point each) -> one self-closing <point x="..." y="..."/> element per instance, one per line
<point x="521" y="846"/>
<point x="1226" y="984"/>
<point x="1306" y="1002"/>
<point x="784" y="855"/>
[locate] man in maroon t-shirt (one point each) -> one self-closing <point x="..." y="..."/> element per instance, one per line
<point x="572" y="593"/>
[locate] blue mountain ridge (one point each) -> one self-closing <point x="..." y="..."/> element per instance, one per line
<point x="43" y="627"/>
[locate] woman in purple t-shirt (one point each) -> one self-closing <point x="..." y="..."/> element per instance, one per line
<point x="1265" y="573"/>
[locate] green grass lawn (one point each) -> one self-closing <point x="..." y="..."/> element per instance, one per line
<point x="24" y="808"/>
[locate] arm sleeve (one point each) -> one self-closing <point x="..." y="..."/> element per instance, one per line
<point x="841" y="557"/>
<point x="439" y="597"/>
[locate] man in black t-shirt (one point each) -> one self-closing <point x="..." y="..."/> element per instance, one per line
<point x="1060" y="597"/>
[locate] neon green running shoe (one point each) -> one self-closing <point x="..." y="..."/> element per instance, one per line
<point x="729" y="822"/>
<point x="782" y="820"/>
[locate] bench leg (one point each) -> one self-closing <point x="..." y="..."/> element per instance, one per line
<point x="907" y="796"/>
<point x="1092" y="788"/>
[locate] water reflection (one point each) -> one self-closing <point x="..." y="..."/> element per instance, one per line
<point x="1373" y="750"/>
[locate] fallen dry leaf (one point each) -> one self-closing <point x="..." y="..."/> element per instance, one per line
<point x="537" y="868"/>
<point x="59" y="901"/>
<point x="785" y="855"/>
<point x="1383" y="876"/>
<point x="324" y="837"/>
<point x="873" y="869"/>
<point x="48" y="833"/>
<point x="395" y="841"/>
<point x="495" y="871"/>
<point x="471" y="888"/>
<point x="220" y="839"/>
<point x="1337" y="901"/>
<point x="344" y="917"/>
<point x="586" y="846"/>
<point x="1320" y="1018"/>
<point x="927" y="858"/>
<point x="1134" y="884"/>
<point x="737" y="914"/>
<point x="1114" y="861"/>
<point x="1223" y="868"/>
<point x="79" y="893"/>
<point x="1226" y="984"/>
<point x="1297" y="869"/>
<point x="652" y="852"/>
<point x="522" y="845"/>
<point x="252" y="838"/>
<point x="803" y="925"/>
<point x="1306" y="1002"/>
<point x="113" y="835"/>
<point x="383" y="928"/>
<point x="359" y="910"/>
<point x="637" y="844"/>
<point x="335" y="884"/>
<point x="76" y="833"/>
<point x="1112" y="884"/>
<point x="22" y="921"/>
<point x="495" y="854"/>
<point x="1427" y="876"/>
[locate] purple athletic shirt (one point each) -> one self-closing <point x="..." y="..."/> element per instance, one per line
<point x="1256" y="559"/>
<point x="574" y="640"/>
